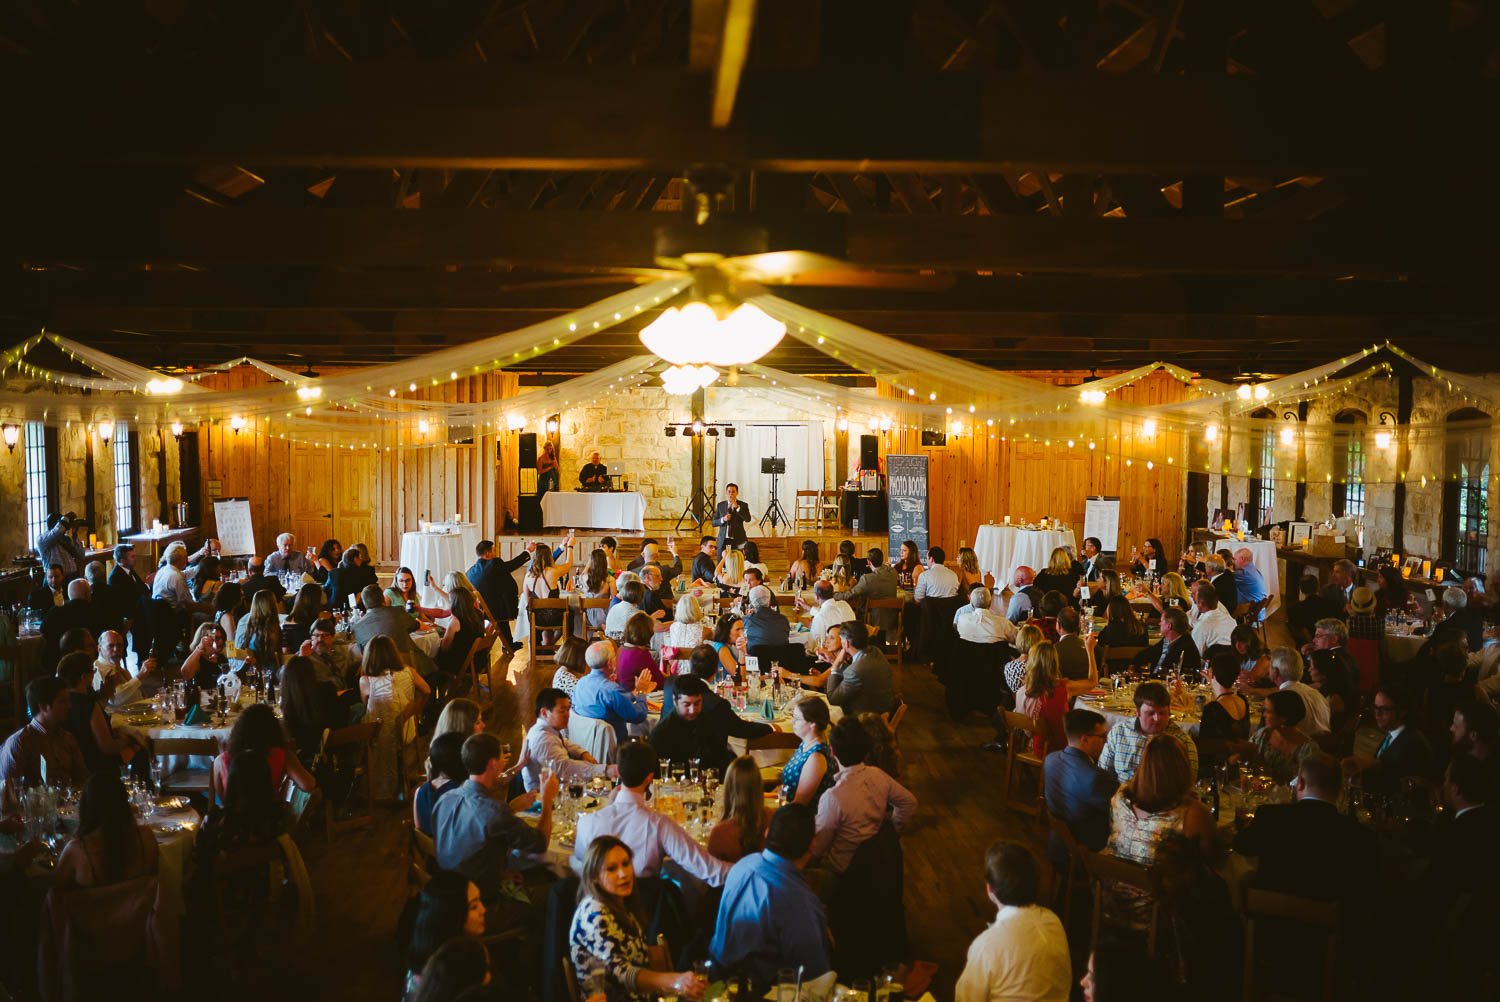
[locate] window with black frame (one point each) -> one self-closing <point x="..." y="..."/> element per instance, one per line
<point x="38" y="503"/>
<point x="1466" y="491"/>
<point x="1348" y="498"/>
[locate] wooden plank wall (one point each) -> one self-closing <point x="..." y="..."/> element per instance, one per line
<point x="975" y="478"/>
<point x="413" y="484"/>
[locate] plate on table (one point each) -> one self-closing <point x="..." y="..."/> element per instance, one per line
<point x="172" y="803"/>
<point x="140" y="719"/>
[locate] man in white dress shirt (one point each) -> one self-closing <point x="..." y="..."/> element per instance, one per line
<point x="545" y="744"/>
<point x="1286" y="672"/>
<point x="827" y="611"/>
<point x="650" y="835"/>
<point x="936" y="581"/>
<point x="1213" y="624"/>
<point x="979" y="624"/>
<point x="1024" y="952"/>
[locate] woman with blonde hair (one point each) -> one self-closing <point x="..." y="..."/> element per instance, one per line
<point x="741" y="830"/>
<point x="686" y="631"/>
<point x="460" y="716"/>
<point x="969" y="574"/>
<point x="731" y="570"/>
<point x="1015" y="670"/>
<point x="1060" y="575"/>
<point x="391" y="693"/>
<point x="1172" y="591"/>
<point x="1045" y="695"/>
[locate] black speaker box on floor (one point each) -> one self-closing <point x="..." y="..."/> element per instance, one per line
<point x="531" y="513"/>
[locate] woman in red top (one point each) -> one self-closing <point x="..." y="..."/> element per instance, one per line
<point x="635" y="653"/>
<point x="1046" y="695"/>
<point x="257" y="731"/>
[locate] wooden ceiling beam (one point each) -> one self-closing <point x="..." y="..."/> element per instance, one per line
<point x="85" y="235"/>
<point x="787" y="119"/>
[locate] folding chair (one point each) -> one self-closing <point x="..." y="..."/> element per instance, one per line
<point x="894" y="720"/>
<point x="484" y="645"/>
<point x="808" y="509"/>
<point x="593" y="633"/>
<point x="1273" y="906"/>
<point x="1064" y="834"/>
<point x="1021" y="728"/>
<point x="830" y="509"/>
<point x="353" y="740"/>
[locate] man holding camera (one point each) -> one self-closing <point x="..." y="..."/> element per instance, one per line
<point x="57" y="545"/>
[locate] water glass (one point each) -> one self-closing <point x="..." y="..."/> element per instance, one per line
<point x="786" y="985"/>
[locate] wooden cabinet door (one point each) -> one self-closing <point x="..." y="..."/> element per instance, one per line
<point x="312" y="496"/>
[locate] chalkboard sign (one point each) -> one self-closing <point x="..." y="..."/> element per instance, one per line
<point x="906" y="494"/>
<point x="233" y="529"/>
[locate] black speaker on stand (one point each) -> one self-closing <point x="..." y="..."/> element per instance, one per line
<point x="869" y="452"/>
<point x="529" y="505"/>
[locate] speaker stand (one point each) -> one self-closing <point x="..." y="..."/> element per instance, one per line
<point x="699" y="508"/>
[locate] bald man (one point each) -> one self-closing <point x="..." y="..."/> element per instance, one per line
<point x="594" y="476"/>
<point x="109" y="668"/>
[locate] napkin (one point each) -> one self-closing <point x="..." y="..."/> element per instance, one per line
<point x="231" y="683"/>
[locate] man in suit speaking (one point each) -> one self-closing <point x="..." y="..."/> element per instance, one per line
<point x="730" y="516"/>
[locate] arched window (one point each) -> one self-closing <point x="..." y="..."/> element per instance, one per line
<point x="1466" y="491"/>
<point x="1349" y="464"/>
<point x="1263" y="455"/>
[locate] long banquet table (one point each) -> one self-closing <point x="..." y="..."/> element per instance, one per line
<point x="1003" y="548"/>
<point x="595" y="510"/>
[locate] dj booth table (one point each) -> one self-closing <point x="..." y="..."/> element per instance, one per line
<point x="625" y="510"/>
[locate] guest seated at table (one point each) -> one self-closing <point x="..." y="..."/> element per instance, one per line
<point x="729" y="643"/>
<point x="754" y="578"/>
<point x="607" y="938"/>
<point x="1027" y="637"/>
<point x="382" y="620"/>
<point x="698" y="723"/>
<point x="1254" y="660"/>
<point x="1060" y="575"/>
<point x="250" y="815"/>
<point x="1308" y="848"/>
<point x="765" y="626"/>
<point x="969" y="574"/>
<point x="1475" y="730"/>
<point x="52" y="592"/>
<point x="1172" y="591"/>
<point x="1363" y="623"/>
<point x="741" y="829"/>
<point x="878" y="582"/>
<point x="1484" y="664"/>
<point x="86" y="719"/>
<point x="1078" y="791"/>
<point x="307" y="608"/>
<point x="287" y="563"/>
<point x="1226" y="717"/>
<point x="206" y="581"/>
<point x="256" y="580"/>
<point x="1249" y="585"/>
<point x="229" y="606"/>
<point x="1326" y="674"/>
<point x="118" y="685"/>
<point x="257" y="732"/>
<point x="977" y="623"/>
<point x="804" y="568"/>
<point x="206" y="660"/>
<point x="1340" y="588"/>
<point x="1151" y="558"/>
<point x="809" y="772"/>
<point x="326" y="559"/>
<point x="1104" y="586"/>
<point x="865" y="683"/>
<point x="1220" y="580"/>
<point x="1157" y="798"/>
<point x="451" y="906"/>
<point x="827" y="611"/>
<point x="404" y="594"/>
<point x="78" y="612"/>
<point x="393" y="694"/>
<point x="1456" y="616"/>
<point x="687" y="627"/>
<point x="109" y="847"/>
<point x="651" y="835"/>
<point x="908" y="563"/>
<point x="936" y="580"/>
<point x="599" y="697"/>
<point x="729" y="572"/>
<point x="1463" y="847"/>
<point x="1023" y="595"/>
<point x="859" y="801"/>
<point x="474" y="829"/>
<point x="171" y="584"/>
<point x="1052" y="603"/>
<point x="466" y="626"/>
<point x="1122" y="628"/>
<point x="260" y="633"/>
<point x="1280" y="744"/>
<point x="459" y="971"/>
<point x="1213" y="626"/>
<point x="635" y="656"/>
<point x="1126" y="741"/>
<point x="1175" y="651"/>
<point x="627" y="602"/>
<point x="350" y="576"/>
<point x="1392" y="594"/>
<point x="651" y="554"/>
<point x="47" y="737"/>
<point x="1023" y="954"/>
<point x="769" y="918"/>
<point x="1074" y="659"/>
<point x="332" y="664"/>
<point x="839" y="573"/>
<point x="546" y="745"/>
<point x="569" y="656"/>
<point x="1045" y="695"/>
<point x="1404" y="751"/>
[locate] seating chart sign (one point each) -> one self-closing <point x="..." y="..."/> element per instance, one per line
<point x="906" y="496"/>
<point x="1101" y="519"/>
<point x="235" y="533"/>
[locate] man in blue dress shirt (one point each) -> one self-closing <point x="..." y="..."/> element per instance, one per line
<point x="769" y="918"/>
<point x="1249" y="586"/>
<point x="599" y="697"/>
<point x="1078" y="791"/>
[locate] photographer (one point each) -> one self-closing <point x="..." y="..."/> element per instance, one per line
<point x="57" y="545"/>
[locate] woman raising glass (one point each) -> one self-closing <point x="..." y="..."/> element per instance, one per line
<point x="607" y="939"/>
<point x="403" y="594"/>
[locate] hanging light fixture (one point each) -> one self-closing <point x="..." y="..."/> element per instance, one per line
<point x="1092" y="397"/>
<point x="12" y="433"/>
<point x="106" y="430"/>
<point x="712" y="331"/>
<point x="681" y="380"/>
<point x="1383" y="437"/>
<point x="164" y="386"/>
<point x="309" y="392"/>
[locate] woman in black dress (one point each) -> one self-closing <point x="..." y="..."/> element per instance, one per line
<point x="1060" y="575"/>
<point x="1227" y="717"/>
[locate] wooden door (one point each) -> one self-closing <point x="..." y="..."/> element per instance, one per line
<point x="355" y="476"/>
<point x="312" y="496"/>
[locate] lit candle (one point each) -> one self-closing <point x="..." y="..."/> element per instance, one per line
<point x="1406" y="571"/>
<point x="1007" y="520"/>
<point x="1427" y="568"/>
<point x="93" y="541"/>
<point x="457" y="518"/>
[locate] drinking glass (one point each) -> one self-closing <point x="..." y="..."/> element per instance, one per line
<point x="861" y="990"/>
<point x="505" y="754"/>
<point x="786" y="985"/>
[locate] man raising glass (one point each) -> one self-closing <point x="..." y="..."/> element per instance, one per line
<point x="730" y="516"/>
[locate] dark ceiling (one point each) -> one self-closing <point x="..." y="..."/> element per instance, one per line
<point x="1027" y="184"/>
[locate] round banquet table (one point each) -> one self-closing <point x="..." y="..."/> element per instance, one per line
<point x="595" y="510"/>
<point x="1403" y="646"/>
<point x="469" y="532"/>
<point x="1263" y="555"/>
<point x="437" y="552"/>
<point x="1119" y="708"/>
<point x="1003" y="548"/>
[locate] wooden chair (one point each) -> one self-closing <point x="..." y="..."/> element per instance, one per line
<point x="899" y="604"/>
<point x="423" y="858"/>
<point x="297" y="804"/>
<point x="1273" y="906"/>
<point x="357" y="739"/>
<point x="1117" y="659"/>
<point x="186" y="777"/>
<point x="592" y="633"/>
<point x="537" y="648"/>
<point x="830" y="509"/>
<point x="230" y="868"/>
<point x="484" y="645"/>
<point x="1064" y="834"/>
<point x="1104" y="869"/>
<point x="808" y="508"/>
<point x="11" y="689"/>
<point x="771" y="752"/>
<point x="894" y="720"/>
<point x="1021" y="728"/>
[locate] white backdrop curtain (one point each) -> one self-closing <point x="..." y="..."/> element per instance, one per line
<point x="800" y="443"/>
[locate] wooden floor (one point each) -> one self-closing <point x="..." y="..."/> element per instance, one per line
<point x="360" y="881"/>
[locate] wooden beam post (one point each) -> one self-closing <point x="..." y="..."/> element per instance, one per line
<point x="1403" y="456"/>
<point x="698" y="405"/>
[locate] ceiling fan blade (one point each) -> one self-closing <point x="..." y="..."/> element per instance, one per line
<point x="779" y="266"/>
<point x="853" y="278"/>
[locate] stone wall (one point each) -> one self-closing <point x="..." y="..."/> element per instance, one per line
<point x="626" y="428"/>
<point x="1422" y="527"/>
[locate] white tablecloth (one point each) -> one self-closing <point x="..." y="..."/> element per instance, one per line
<point x="1003" y="548"/>
<point x="1123" y="711"/>
<point x="436" y="552"/>
<point x="469" y="532"/>
<point x="1263" y="552"/>
<point x="605" y="510"/>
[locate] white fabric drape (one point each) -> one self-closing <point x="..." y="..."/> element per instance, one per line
<point x="800" y="443"/>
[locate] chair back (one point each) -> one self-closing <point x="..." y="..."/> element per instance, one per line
<point x="533" y="604"/>
<point x="356" y="742"/>
<point x="1104" y="869"/>
<point x="866" y="915"/>
<point x="938" y="629"/>
<point x="897" y="604"/>
<point x="1018" y="750"/>
<point x="91" y="939"/>
<point x="558" y="984"/>
<point x="1273" y="906"/>
<point x="772" y="751"/>
<point x="895" y="718"/>
<point x="1366" y="653"/>
<point x="597" y="737"/>
<point x="592" y="633"/>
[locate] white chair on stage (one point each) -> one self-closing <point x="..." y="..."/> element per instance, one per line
<point x="597" y="737"/>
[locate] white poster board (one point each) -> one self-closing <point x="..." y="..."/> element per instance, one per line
<point x="235" y="533"/>
<point x="1101" y="519"/>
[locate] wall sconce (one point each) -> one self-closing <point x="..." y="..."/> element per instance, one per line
<point x="12" y="433"/>
<point x="552" y="426"/>
<point x="237" y="423"/>
<point x="843" y="424"/>
<point x="1289" y="431"/>
<point x="177" y="430"/>
<point x="1384" y="439"/>
<point x="106" y="430"/>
